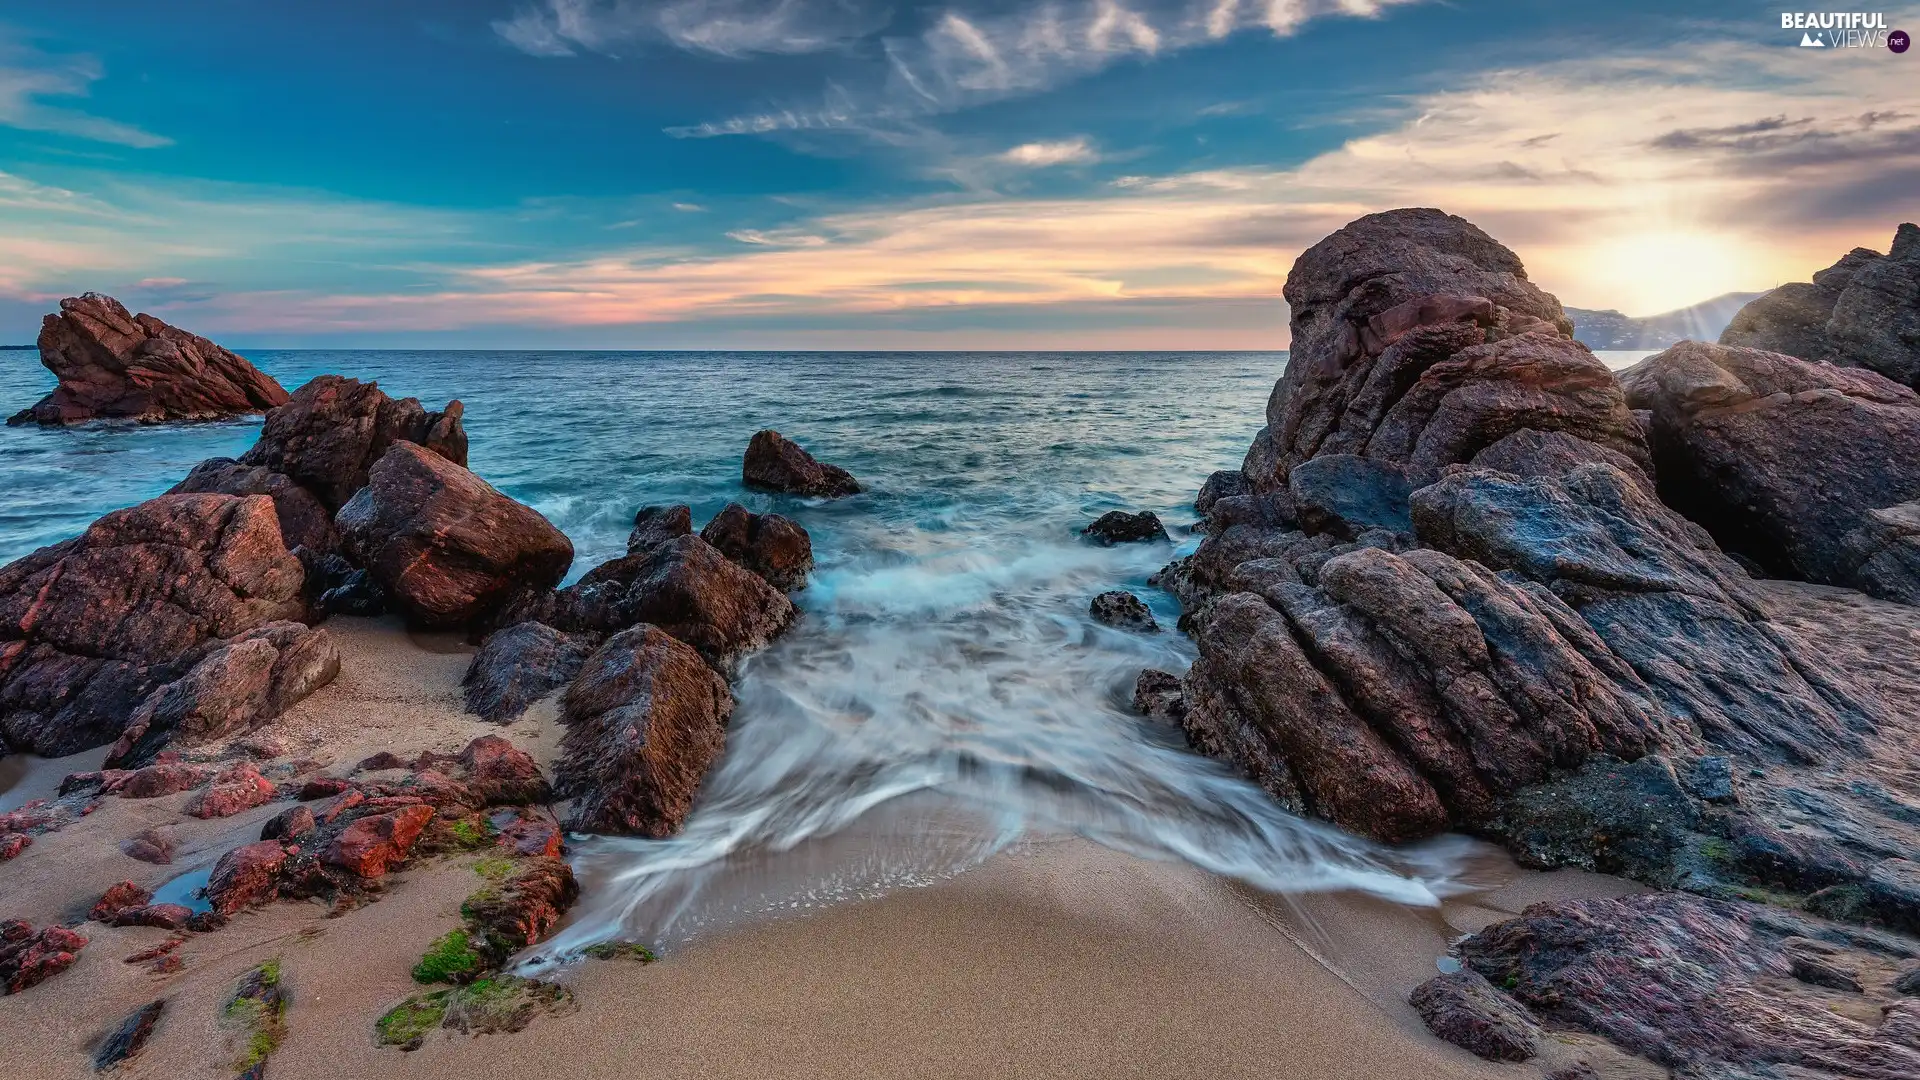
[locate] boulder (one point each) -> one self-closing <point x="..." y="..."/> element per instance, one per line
<point x="331" y="432"/>
<point x="1861" y="312"/>
<point x="1120" y="527"/>
<point x="1885" y="551"/>
<point x="93" y="626"/>
<point x="772" y="546"/>
<point x="372" y="845"/>
<point x="165" y="778"/>
<point x="305" y="522"/>
<point x="1465" y="1009"/>
<point x="1785" y="461"/>
<point x="29" y="958"/>
<point x="1345" y="495"/>
<point x="499" y="773"/>
<point x="446" y="546"/>
<point x="655" y="525"/>
<point x="245" y="876"/>
<point x="112" y="364"/>
<point x="1158" y="695"/>
<point x="237" y="684"/>
<point x="520" y="665"/>
<point x="239" y="788"/>
<point x="646" y="719"/>
<point x="777" y="463"/>
<point x="1224" y="484"/>
<point x="685" y="587"/>
<point x="1124" y="610"/>
<point x="1553" y="453"/>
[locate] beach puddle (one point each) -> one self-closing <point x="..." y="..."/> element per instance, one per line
<point x="189" y="890"/>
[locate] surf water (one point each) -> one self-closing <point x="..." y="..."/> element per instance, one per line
<point x="946" y="692"/>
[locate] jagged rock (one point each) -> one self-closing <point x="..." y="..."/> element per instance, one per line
<point x="244" y="681"/>
<point x="1120" y="527"/>
<point x="112" y="364"/>
<point x="1553" y="453"/>
<point x="501" y="774"/>
<point x="655" y="525"/>
<point x="90" y="627"/>
<point x="127" y="1040"/>
<point x="524" y="912"/>
<point x="290" y="824"/>
<point x="1345" y="495"/>
<point x="239" y="788"/>
<point x="372" y="845"/>
<point x="332" y="431"/>
<point x="304" y="521"/>
<point x="776" y="463"/>
<point x="28" y="958"/>
<point x="1224" y="484"/>
<point x="1468" y="1012"/>
<point x="1157" y="695"/>
<point x="772" y="546"/>
<point x="1690" y="983"/>
<point x="445" y="545"/>
<point x="1862" y="312"/>
<point x="520" y="665"/>
<point x="1124" y="610"/>
<point x="685" y="587"/>
<point x="118" y="898"/>
<point x="646" y="718"/>
<point x="1783" y="460"/>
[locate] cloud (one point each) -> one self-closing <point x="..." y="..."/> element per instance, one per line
<point x="27" y="76"/>
<point x="729" y="28"/>
<point x="1040" y="155"/>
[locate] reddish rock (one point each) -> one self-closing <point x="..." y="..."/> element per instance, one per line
<point x="118" y="898"/>
<point x="321" y="787"/>
<point x="239" y="788"/>
<point x="529" y="835"/>
<point x="526" y="910"/>
<point x="520" y="665"/>
<point x="776" y="463"/>
<point x="172" y="778"/>
<point x="645" y="721"/>
<point x="305" y="522"/>
<point x="331" y="432"/>
<point x="163" y="916"/>
<point x="341" y="803"/>
<point x="372" y="845"/>
<point x="1464" y="1009"/>
<point x="157" y="951"/>
<point x="687" y="588"/>
<point x="446" y="547"/>
<point x="155" y="845"/>
<point x="28" y="958"/>
<point x="502" y="774"/>
<point x="12" y="844"/>
<point x="245" y="876"/>
<point x="772" y="546"/>
<point x="92" y="626"/>
<point x="290" y="824"/>
<point x="113" y="364"/>
<point x="655" y="525"/>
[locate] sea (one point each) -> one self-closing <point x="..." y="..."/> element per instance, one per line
<point x="946" y="694"/>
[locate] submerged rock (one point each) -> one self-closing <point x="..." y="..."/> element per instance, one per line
<point x="1158" y="695"/>
<point x="772" y="546"/>
<point x="520" y="665"/>
<point x="777" y="463"/>
<point x="1861" y="312"/>
<point x="113" y="364"/>
<point x="1120" y="527"/>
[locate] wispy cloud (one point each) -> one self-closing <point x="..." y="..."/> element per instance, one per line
<point x="731" y="28"/>
<point x="1040" y="155"/>
<point x="28" y="77"/>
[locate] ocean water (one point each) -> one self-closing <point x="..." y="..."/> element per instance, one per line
<point x="946" y="692"/>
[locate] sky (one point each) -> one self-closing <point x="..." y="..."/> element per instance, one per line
<point x="858" y="174"/>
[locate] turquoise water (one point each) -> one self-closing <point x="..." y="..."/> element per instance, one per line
<point x="945" y="694"/>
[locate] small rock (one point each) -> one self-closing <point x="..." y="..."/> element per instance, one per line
<point x="373" y="845"/>
<point x="1709" y="778"/>
<point x="525" y="911"/>
<point x="290" y="824"/>
<point x="246" y="876"/>
<point x="1158" y="694"/>
<point x="163" y="916"/>
<point x="28" y="958"/>
<point x="321" y="787"/>
<point x="12" y="844"/>
<point x="537" y="836"/>
<point x="655" y="525"/>
<point x="1119" y="527"/>
<point x="1225" y="484"/>
<point x="501" y="774"/>
<point x="172" y="778"/>
<point x="117" y="899"/>
<point x="776" y="463"/>
<point x="129" y="1038"/>
<point x="1465" y="1009"/>
<point x="239" y="788"/>
<point x="1124" y="610"/>
<point x="1814" y="963"/>
<point x="521" y="664"/>
<point x="155" y="845"/>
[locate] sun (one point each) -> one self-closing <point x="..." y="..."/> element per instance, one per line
<point x="1647" y="273"/>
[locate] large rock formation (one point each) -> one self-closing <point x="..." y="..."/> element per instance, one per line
<point x="447" y="547"/>
<point x="1802" y="467"/>
<point x="646" y="719"/>
<point x="777" y="463"/>
<point x="114" y="365"/>
<point x="1863" y="312"/>
<point x="331" y="432"/>
<point x="91" y="627"/>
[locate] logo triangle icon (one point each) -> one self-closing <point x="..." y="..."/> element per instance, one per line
<point x="1808" y="41"/>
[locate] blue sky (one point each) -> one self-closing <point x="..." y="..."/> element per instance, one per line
<point x="852" y="173"/>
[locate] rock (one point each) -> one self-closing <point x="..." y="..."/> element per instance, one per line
<point x="520" y="665"/>
<point x="646" y="719"/>
<point x="1468" y="1012"/>
<point x="1693" y="984"/>
<point x="499" y="773"/>
<point x="1119" y="527"/>
<point x="90" y="627"/>
<point x="159" y="916"/>
<point x="1861" y="312"/>
<point x="305" y="522"/>
<point x="12" y="844"/>
<point x="776" y="463"/>
<point x="655" y="525"/>
<point x="371" y="846"/>
<point x="1630" y="819"/>
<point x="1818" y="963"/>
<point x="127" y="1040"/>
<point x="1908" y="982"/>
<point x="1224" y="484"/>
<point x="1709" y="778"/>
<point x="1885" y="552"/>
<point x="241" y="787"/>
<point x="247" y="875"/>
<point x="445" y="545"/>
<point x="1554" y="453"/>
<point x="290" y="824"/>
<point x="28" y="959"/>
<point x="357" y="593"/>
<point x="1158" y="695"/>
<point x="1345" y="495"/>
<point x="772" y="546"/>
<point x="685" y="587"/>
<point x="524" y="912"/>
<point x="1124" y="610"/>
<point x="112" y="364"/>
<point x="153" y="845"/>
<point x="1780" y="459"/>
<point x="237" y="684"/>
<point x="166" y="778"/>
<point x="535" y="835"/>
<point x="332" y="431"/>
<point x="118" y="898"/>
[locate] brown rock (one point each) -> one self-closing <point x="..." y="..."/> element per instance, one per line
<point x="686" y="588"/>
<point x="1862" y="312"/>
<point x="655" y="525"/>
<point x="118" y="898"/>
<point x="28" y="958"/>
<point x="154" y="845"/>
<point x="524" y="913"/>
<point x="1158" y="694"/>
<point x="92" y="626"/>
<point x="305" y="522"/>
<point x="530" y="834"/>
<point x="776" y="463"/>
<point x="12" y="844"/>
<point x="170" y="778"/>
<point x="328" y="436"/>
<point x="239" y="788"/>
<point x="772" y="546"/>
<point x="114" y="364"/>
<point x="373" y="845"/>
<point x="447" y="547"/>
<point x="520" y="665"/>
<point x="161" y="916"/>
<point x="1124" y="610"/>
<point x="290" y="824"/>
<point x="1468" y="1012"/>
<point x="645" y="720"/>
<point x="501" y="774"/>
<point x="127" y="1040"/>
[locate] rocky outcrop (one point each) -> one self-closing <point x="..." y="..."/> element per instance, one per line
<point x="91" y="627"/>
<point x="777" y="463"/>
<point x="772" y="546"/>
<point x="444" y="545"/>
<point x="305" y="522"/>
<point x="520" y="665"/>
<point x="116" y="365"/>
<point x="1801" y="467"/>
<point x="333" y="430"/>
<point x="1861" y="312"/>
<point x="1120" y="527"/>
<point x="1124" y="610"/>
<point x="646" y="719"/>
